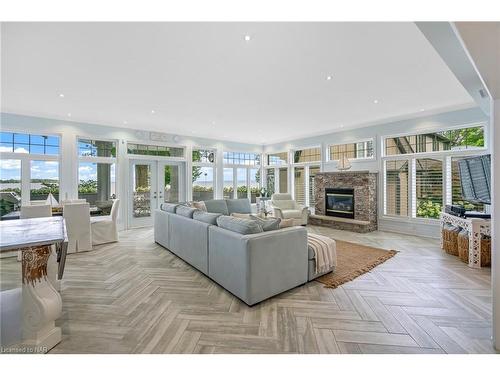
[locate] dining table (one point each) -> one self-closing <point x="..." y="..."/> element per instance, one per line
<point x="28" y="314"/>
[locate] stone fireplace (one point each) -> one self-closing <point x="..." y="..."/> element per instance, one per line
<point x="346" y="200"/>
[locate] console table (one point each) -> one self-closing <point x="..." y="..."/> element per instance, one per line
<point x="475" y="227"/>
<point x="31" y="311"/>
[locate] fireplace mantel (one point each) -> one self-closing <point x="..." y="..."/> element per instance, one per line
<point x="364" y="184"/>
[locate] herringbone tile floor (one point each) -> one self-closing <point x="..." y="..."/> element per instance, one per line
<point x="136" y="297"/>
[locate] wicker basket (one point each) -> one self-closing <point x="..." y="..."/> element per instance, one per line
<point x="463" y="246"/>
<point x="450" y="237"/>
<point x="486" y="252"/>
<point x="463" y="249"/>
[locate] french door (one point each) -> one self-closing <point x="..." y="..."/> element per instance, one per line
<point x="152" y="183"/>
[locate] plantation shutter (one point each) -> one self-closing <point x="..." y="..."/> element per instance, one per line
<point x="396" y="187"/>
<point x="429" y="187"/>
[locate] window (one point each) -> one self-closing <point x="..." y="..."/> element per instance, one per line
<point x="97" y="174"/>
<point x="358" y="150"/>
<point x="29" y="143"/>
<point x="10" y="186"/>
<point x="152" y="150"/>
<point x="307" y="155"/>
<point x="44" y="176"/>
<point x="396" y="187"/>
<point x="241" y="183"/>
<point x="228" y="189"/>
<point x="283" y="177"/>
<point x="300" y="185"/>
<point x="254" y="184"/>
<point x="97" y="185"/>
<point x="241" y="158"/>
<point x="203" y="183"/>
<point x="449" y="140"/>
<point x="270" y="180"/>
<point x="429" y="187"/>
<point x="456" y="189"/>
<point x="87" y="147"/>
<point x="312" y="194"/>
<point x="278" y="158"/>
<point x="203" y="156"/>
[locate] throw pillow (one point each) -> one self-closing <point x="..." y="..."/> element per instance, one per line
<point x="206" y="217"/>
<point x="199" y="205"/>
<point x="185" y="211"/>
<point x="242" y="226"/>
<point x="286" y="223"/>
<point x="267" y="224"/>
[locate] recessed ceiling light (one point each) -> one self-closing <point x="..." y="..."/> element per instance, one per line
<point x="69" y="114"/>
<point x="153" y="112"/>
<point x="422" y="109"/>
<point x="247" y="38"/>
<point x="125" y="122"/>
<point x="328" y="78"/>
<point x="341" y="125"/>
<point x="375" y="101"/>
<point x="61" y="95"/>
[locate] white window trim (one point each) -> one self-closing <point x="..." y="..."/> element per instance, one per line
<point x="266" y="157"/>
<point x="292" y="154"/>
<point x="430" y="129"/>
<point x="328" y="146"/>
<point x="155" y="157"/>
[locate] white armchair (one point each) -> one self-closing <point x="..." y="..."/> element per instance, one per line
<point x="104" y="228"/>
<point x="285" y="207"/>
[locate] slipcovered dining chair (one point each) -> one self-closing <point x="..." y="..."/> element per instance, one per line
<point x="104" y="228"/>
<point x="77" y="217"/>
<point x="285" y="207"/>
<point x="37" y="210"/>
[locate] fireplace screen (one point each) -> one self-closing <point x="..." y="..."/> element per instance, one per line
<point x="340" y="202"/>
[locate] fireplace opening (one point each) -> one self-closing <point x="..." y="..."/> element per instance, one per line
<point x="339" y="203"/>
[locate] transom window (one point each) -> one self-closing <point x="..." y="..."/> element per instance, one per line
<point x="307" y="155"/>
<point x="153" y="150"/>
<point x="358" y="150"/>
<point x="278" y="158"/>
<point x="241" y="158"/>
<point x="88" y="147"/>
<point x="203" y="156"/>
<point x="449" y="140"/>
<point x="29" y="143"/>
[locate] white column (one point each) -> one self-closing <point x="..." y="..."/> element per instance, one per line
<point x="495" y="265"/>
<point x="189" y="173"/>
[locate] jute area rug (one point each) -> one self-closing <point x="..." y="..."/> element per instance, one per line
<point x="354" y="260"/>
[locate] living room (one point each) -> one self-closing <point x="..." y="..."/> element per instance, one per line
<point x="249" y="187"/>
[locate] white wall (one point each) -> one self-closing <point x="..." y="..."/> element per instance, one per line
<point x="69" y="131"/>
<point x="421" y="227"/>
<point x="495" y="254"/>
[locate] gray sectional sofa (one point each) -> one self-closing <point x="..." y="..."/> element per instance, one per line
<point x="251" y="264"/>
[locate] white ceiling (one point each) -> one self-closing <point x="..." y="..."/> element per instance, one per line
<point x="204" y="79"/>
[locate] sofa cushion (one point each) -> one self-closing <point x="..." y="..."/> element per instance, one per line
<point x="242" y="226"/>
<point x="272" y="223"/>
<point x="289" y="214"/>
<point x="241" y="216"/>
<point x="185" y="211"/>
<point x="206" y="217"/>
<point x="169" y="207"/>
<point x="217" y="206"/>
<point x="241" y="206"/>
